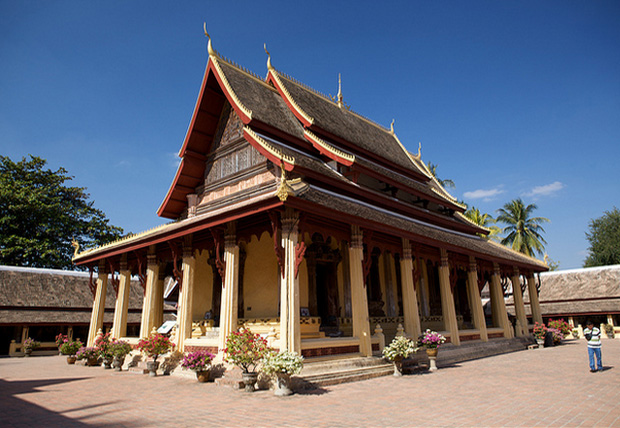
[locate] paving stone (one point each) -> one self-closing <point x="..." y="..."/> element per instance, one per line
<point x="541" y="387"/>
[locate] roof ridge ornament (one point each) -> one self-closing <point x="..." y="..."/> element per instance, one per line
<point x="269" y="66"/>
<point x="209" y="45"/>
<point x="340" y="103"/>
<point x="284" y="189"/>
<point x="419" y="155"/>
<point x="392" y="127"/>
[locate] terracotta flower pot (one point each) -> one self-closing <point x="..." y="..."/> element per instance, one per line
<point x="203" y="375"/>
<point x="71" y="359"/>
<point x="431" y="352"/>
<point x="92" y="361"/>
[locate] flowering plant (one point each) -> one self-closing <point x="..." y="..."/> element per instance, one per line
<point x="70" y="347"/>
<point x="86" y="353"/>
<point x="102" y="345"/>
<point x="30" y="344"/>
<point x="561" y="325"/>
<point x="557" y="335"/>
<point x="282" y="362"/>
<point x="399" y="347"/>
<point x="197" y="361"/>
<point x="60" y="339"/>
<point x="431" y="339"/>
<point x="539" y="331"/>
<point x="119" y="348"/>
<point x="155" y="345"/>
<point x="245" y="350"/>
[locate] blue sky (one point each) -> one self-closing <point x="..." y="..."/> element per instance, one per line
<point x="510" y="98"/>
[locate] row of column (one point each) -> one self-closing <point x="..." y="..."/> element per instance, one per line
<point x="152" y="314"/>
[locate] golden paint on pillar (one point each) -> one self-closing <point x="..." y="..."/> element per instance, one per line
<point x="187" y="294"/>
<point x="410" y="302"/>
<point x="448" y="309"/>
<point x="290" y="336"/>
<point x="498" y="303"/>
<point x="534" y="301"/>
<point x="517" y="293"/>
<point x="475" y="302"/>
<point x="359" y="301"/>
<point x="119" y="327"/>
<point x="96" y="320"/>
<point x="230" y="284"/>
<point x="152" y="275"/>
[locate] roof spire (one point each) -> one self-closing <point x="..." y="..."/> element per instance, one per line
<point x="209" y="46"/>
<point x="419" y="155"/>
<point x="340" y="103"/>
<point x="269" y="66"/>
<point x="392" y="127"/>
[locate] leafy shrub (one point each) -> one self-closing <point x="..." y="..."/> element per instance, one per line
<point x="399" y="347"/>
<point x="282" y="362"/>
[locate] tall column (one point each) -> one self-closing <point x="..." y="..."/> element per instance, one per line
<point x="157" y="307"/>
<point x="475" y="303"/>
<point x="410" y="299"/>
<point x="447" y="300"/>
<point x="498" y="304"/>
<point x="96" y="319"/>
<point x="424" y="291"/>
<point x="359" y="301"/>
<point x="187" y="295"/>
<point x="534" y="302"/>
<point x="152" y="273"/>
<point x="290" y="337"/>
<point x="517" y="294"/>
<point x="119" y="328"/>
<point x="230" y="286"/>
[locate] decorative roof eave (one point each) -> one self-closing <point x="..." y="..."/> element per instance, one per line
<point x="483" y="230"/>
<point x="264" y="201"/>
<point x="274" y="78"/>
<point x="328" y="150"/>
<point x="244" y="113"/>
<point x="266" y="149"/>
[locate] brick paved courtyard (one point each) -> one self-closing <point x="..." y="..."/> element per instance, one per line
<point x="544" y="387"/>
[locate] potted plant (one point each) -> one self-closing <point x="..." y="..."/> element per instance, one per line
<point x="245" y="350"/>
<point x="29" y="345"/>
<point x="575" y="333"/>
<point x="540" y="330"/>
<point x="199" y="362"/>
<point x="609" y="331"/>
<point x="119" y="350"/>
<point x="282" y="365"/>
<point x="558" y="335"/>
<point x="431" y="340"/>
<point x="102" y="345"/>
<point x="90" y="354"/>
<point x="562" y="326"/>
<point x="399" y="349"/>
<point x="154" y="346"/>
<point x="70" y="348"/>
<point x="60" y="339"/>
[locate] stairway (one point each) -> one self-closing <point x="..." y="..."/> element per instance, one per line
<point x="332" y="372"/>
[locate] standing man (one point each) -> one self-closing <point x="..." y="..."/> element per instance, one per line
<point x="593" y="336"/>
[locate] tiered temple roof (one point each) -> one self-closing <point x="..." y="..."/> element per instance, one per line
<point x="344" y="166"/>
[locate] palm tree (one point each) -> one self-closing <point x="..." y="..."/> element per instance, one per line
<point x="433" y="170"/>
<point x="484" y="220"/>
<point x="523" y="231"/>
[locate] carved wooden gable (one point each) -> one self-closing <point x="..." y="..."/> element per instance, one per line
<point x="231" y="154"/>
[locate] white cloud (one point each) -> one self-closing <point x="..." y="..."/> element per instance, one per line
<point x="546" y="190"/>
<point x="485" y="194"/>
<point x="175" y="160"/>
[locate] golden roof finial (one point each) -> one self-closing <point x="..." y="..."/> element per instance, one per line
<point x="75" y="244"/>
<point x="392" y="127"/>
<point x="209" y="46"/>
<point x="419" y="156"/>
<point x="269" y="66"/>
<point x="340" y="103"/>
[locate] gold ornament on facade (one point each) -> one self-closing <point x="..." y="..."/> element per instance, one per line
<point x="284" y="189"/>
<point x="209" y="46"/>
<point x="269" y="66"/>
<point x="76" y="245"/>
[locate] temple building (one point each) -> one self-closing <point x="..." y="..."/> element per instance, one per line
<point x="309" y="223"/>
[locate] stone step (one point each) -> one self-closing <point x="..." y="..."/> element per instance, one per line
<point x="343" y="376"/>
<point x="346" y="362"/>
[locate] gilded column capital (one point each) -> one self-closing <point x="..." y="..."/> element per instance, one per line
<point x="444" y="258"/>
<point x="290" y="221"/>
<point x="406" y="249"/>
<point x="473" y="266"/>
<point x="496" y="270"/>
<point x="357" y="237"/>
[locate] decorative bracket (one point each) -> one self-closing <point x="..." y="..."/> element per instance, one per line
<point x="176" y="272"/>
<point x="453" y="276"/>
<point x="367" y="263"/>
<point x="277" y="245"/>
<point x="523" y="284"/>
<point x="219" y="263"/>
<point x="300" y="250"/>
<point x="113" y="279"/>
<point x="141" y="275"/>
<point x="92" y="284"/>
<point x="481" y="280"/>
<point x="538" y="284"/>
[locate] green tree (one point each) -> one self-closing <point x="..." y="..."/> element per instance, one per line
<point x="40" y="215"/>
<point x="604" y="239"/>
<point x="484" y="220"/>
<point x="523" y="232"/>
<point x="433" y="170"/>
